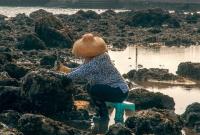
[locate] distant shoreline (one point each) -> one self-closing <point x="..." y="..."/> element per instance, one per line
<point x="129" y="6"/>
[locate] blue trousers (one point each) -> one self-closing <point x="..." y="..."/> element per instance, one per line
<point x="104" y="93"/>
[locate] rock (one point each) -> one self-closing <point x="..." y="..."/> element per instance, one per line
<point x="22" y="20"/>
<point x="145" y="99"/>
<point x="189" y="69"/>
<point x="5" y="58"/>
<point x="39" y="14"/>
<point x="150" y="74"/>
<point x="31" y="42"/>
<point x="4" y="130"/>
<point x="31" y="124"/>
<point x="192" y="116"/>
<point x="48" y="60"/>
<point x="10" y="118"/>
<point x="4" y="49"/>
<point x="15" y="71"/>
<point x="6" y="80"/>
<point x="154" y="121"/>
<point x="2" y="17"/>
<point x="4" y="26"/>
<point x="50" y="94"/>
<point x="10" y="99"/>
<point x="119" y="129"/>
<point x="88" y="14"/>
<point x="51" y="30"/>
<point x="148" y="18"/>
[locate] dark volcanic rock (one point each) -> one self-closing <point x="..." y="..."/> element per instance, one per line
<point x="88" y="14"/>
<point x="51" y="30"/>
<point x="15" y="71"/>
<point x="152" y="73"/>
<point x="22" y="20"/>
<point x="148" y="18"/>
<point x="189" y="69"/>
<point x="48" y="60"/>
<point x="31" y="124"/>
<point x="4" y="130"/>
<point x="4" y="49"/>
<point x="5" y="58"/>
<point x="154" y="121"/>
<point x="6" y="80"/>
<point x="2" y="17"/>
<point x="49" y="93"/>
<point x="39" y="14"/>
<point x="119" y="129"/>
<point x="145" y="99"/>
<point x="10" y="99"/>
<point x="31" y="42"/>
<point x="10" y="118"/>
<point x="192" y="116"/>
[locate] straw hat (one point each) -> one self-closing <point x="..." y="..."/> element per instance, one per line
<point x="89" y="46"/>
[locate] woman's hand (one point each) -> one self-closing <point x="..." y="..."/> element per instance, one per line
<point x="61" y="68"/>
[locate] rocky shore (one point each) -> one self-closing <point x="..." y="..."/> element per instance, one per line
<point x="36" y="102"/>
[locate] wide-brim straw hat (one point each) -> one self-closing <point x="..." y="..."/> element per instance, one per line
<point x="89" y="46"/>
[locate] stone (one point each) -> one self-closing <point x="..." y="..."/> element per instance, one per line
<point x="16" y="71"/>
<point x="145" y="74"/>
<point x="48" y="60"/>
<point x="6" y="80"/>
<point x="10" y="99"/>
<point x="10" y="118"/>
<point x="145" y="99"/>
<point x="191" y="115"/>
<point x="88" y="14"/>
<point x="189" y="69"/>
<point x="5" y="58"/>
<point x="148" y="18"/>
<point x="119" y="129"/>
<point x="32" y="124"/>
<point x="155" y="121"/>
<point x="52" y="31"/>
<point x="39" y="14"/>
<point x="30" y="42"/>
<point x="49" y="93"/>
<point x="4" y="130"/>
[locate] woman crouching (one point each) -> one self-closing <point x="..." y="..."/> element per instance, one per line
<point x="105" y="82"/>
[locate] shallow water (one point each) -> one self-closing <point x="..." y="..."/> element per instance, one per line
<point x="164" y="57"/>
<point x="12" y="11"/>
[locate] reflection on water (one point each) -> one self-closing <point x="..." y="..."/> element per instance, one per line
<point x="164" y="57"/>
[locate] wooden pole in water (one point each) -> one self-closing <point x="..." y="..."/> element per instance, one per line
<point x="136" y="58"/>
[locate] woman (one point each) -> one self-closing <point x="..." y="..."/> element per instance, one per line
<point x="105" y="82"/>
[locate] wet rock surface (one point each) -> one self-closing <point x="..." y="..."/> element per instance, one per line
<point x="52" y="31"/>
<point x="4" y="130"/>
<point x="119" y="129"/>
<point x="10" y="99"/>
<point x="31" y="42"/>
<point x="10" y="118"/>
<point x="154" y="121"/>
<point x="48" y="93"/>
<point x="189" y="69"/>
<point x="192" y="117"/>
<point x="150" y="74"/>
<point x="31" y="124"/>
<point x="145" y="99"/>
